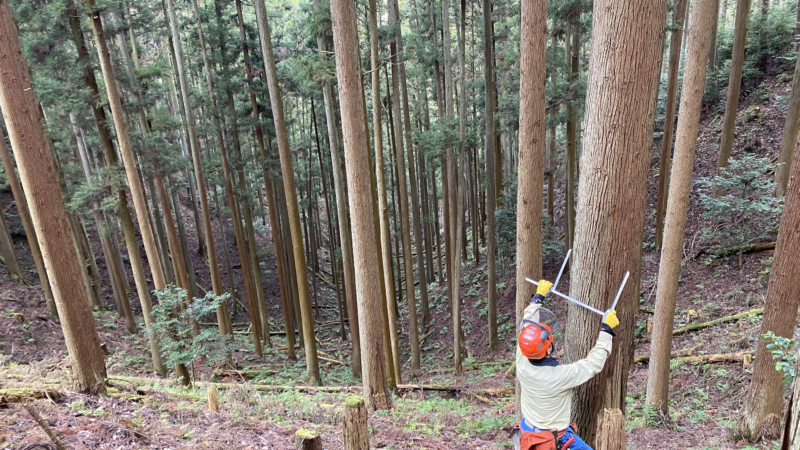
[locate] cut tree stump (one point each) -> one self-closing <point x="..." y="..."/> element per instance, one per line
<point x="611" y="430"/>
<point x="307" y="440"/>
<point x="355" y="432"/>
<point x="213" y="398"/>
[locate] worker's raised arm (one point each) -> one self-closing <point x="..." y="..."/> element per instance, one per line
<point x="579" y="372"/>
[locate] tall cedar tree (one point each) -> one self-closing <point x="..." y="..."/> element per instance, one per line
<point x="271" y="75"/>
<point x="680" y="186"/>
<point x="41" y="182"/>
<point x="356" y="150"/>
<point x="609" y="228"/>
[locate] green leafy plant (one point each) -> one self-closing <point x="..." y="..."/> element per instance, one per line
<point x="748" y="210"/>
<point x="783" y="354"/>
<point x="172" y="325"/>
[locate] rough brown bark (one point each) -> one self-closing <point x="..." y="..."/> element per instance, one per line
<point x="611" y="430"/>
<point x="789" y="140"/>
<point x="675" y="42"/>
<point x="533" y="42"/>
<point x="27" y="225"/>
<point x="368" y="282"/>
<point x="680" y="186"/>
<point x="572" y="43"/>
<point x="765" y="395"/>
<point x="271" y="75"/>
<point x="355" y="431"/>
<point x="734" y="85"/>
<point x="491" y="194"/>
<point x="40" y="181"/>
<point x="7" y="252"/>
<point x="617" y="140"/>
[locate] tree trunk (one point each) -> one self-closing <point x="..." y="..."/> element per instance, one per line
<point x="383" y="209"/>
<point x="789" y="140"/>
<point x="533" y="43"/>
<point x="611" y="429"/>
<point x="7" y="252"/>
<point x="675" y="42"/>
<point x="765" y="395"/>
<point x="368" y="282"/>
<point x="734" y="86"/>
<point x="27" y="225"/>
<point x="223" y="316"/>
<point x="355" y="430"/>
<point x="680" y="186"/>
<point x="345" y="236"/>
<point x="491" y="195"/>
<point x="115" y="271"/>
<point x="40" y="181"/>
<point x="271" y="75"/>
<point x="612" y="196"/>
<point x="572" y="47"/>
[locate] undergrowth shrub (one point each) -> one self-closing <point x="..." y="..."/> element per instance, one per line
<point x="748" y="211"/>
<point x="172" y="325"/>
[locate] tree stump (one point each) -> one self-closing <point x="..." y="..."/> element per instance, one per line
<point x="213" y="398"/>
<point x="307" y="440"/>
<point x="611" y="430"/>
<point x="355" y="432"/>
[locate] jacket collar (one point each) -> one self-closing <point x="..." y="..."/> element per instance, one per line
<point x="547" y="361"/>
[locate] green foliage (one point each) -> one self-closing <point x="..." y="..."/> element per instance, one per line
<point x="748" y="210"/>
<point x="783" y="354"/>
<point x="172" y="325"/>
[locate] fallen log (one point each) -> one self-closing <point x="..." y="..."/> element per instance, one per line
<point x="743" y="357"/>
<point x="699" y="326"/>
<point x="751" y="248"/>
<point x="673" y="355"/>
<point x="17" y="395"/>
<point x="444" y="388"/>
<point x="142" y="381"/>
<point x="242" y="373"/>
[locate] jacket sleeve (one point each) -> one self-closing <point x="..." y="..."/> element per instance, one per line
<point x="579" y="372"/>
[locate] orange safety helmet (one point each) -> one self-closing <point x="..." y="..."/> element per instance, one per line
<point x="535" y="337"/>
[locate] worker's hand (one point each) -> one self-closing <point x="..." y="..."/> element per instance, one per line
<point x="611" y="319"/>
<point x="544" y="287"/>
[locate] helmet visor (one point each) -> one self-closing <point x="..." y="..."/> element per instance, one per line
<point x="541" y="316"/>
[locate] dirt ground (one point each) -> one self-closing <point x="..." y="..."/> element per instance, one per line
<point x="706" y="400"/>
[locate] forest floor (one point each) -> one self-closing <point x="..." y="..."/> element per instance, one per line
<point x="706" y="399"/>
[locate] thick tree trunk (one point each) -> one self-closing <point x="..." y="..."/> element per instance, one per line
<point x="734" y="85"/>
<point x="40" y="181"/>
<point x="623" y="78"/>
<point x="572" y="43"/>
<point x="675" y="42"/>
<point x="345" y="236"/>
<point x="533" y="43"/>
<point x="271" y="75"/>
<point x="789" y="140"/>
<point x="765" y="395"/>
<point x="680" y="186"/>
<point x="491" y="195"/>
<point x="27" y="225"/>
<point x="368" y="281"/>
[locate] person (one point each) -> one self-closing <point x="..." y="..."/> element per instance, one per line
<point x="546" y="398"/>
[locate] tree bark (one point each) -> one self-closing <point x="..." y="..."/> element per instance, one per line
<point x="40" y="181"/>
<point x="345" y="236"/>
<point x="491" y="194"/>
<point x="7" y="252"/>
<point x="680" y="186"/>
<point x="623" y="78"/>
<point x="355" y="430"/>
<point x="675" y="42"/>
<point x="789" y="140"/>
<point x="368" y="282"/>
<point x="734" y="85"/>
<point x="611" y="430"/>
<point x="572" y="43"/>
<point x="271" y="75"/>
<point x="765" y="395"/>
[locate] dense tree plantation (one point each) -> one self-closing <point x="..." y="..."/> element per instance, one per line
<point x="347" y="224"/>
